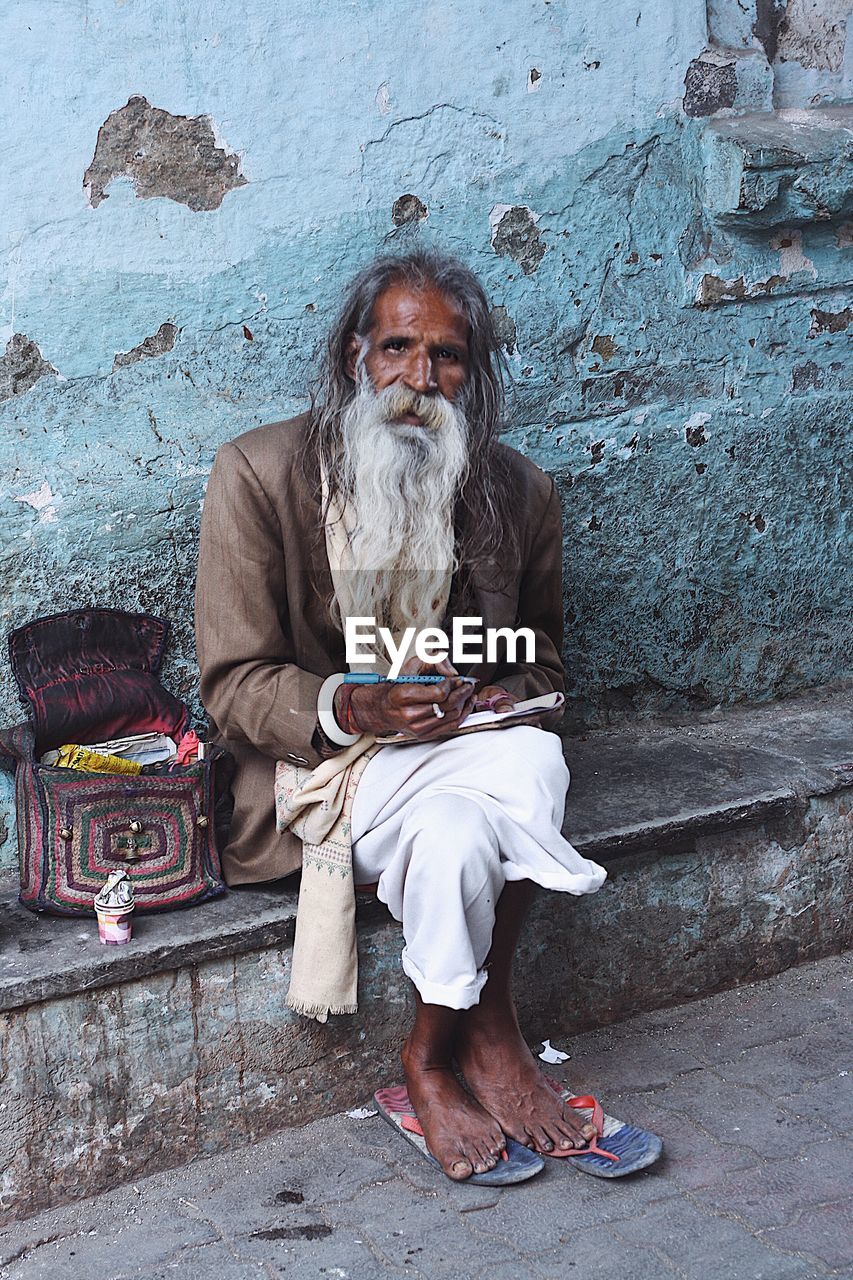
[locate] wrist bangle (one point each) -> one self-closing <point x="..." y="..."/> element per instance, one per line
<point x="326" y="712"/>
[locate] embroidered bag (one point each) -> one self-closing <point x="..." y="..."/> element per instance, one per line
<point x="90" y="675"/>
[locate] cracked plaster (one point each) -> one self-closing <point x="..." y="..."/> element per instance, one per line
<point x="21" y="366"/>
<point x="515" y="235"/>
<point x="156" y="344"/>
<point x="814" y="33"/>
<point x="710" y="85"/>
<point x="164" y="155"/>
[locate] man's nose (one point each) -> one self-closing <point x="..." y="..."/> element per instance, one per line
<point x="420" y="375"/>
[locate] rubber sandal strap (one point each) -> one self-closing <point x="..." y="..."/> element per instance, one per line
<point x="586" y="1102"/>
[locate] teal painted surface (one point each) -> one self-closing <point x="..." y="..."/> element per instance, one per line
<point x="699" y="448"/>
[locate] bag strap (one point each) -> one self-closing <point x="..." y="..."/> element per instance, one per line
<point x="17" y="744"/>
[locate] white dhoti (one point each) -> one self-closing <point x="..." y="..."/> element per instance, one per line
<point x="441" y="827"/>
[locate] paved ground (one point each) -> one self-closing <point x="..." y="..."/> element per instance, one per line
<point x="751" y="1091"/>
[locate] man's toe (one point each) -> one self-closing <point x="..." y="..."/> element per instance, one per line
<point x="459" y="1169"/>
<point x="567" y="1136"/>
<point x="543" y="1140"/>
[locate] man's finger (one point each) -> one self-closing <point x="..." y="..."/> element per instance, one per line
<point x="413" y="694"/>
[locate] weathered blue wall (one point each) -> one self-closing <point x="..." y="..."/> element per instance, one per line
<point x="676" y="331"/>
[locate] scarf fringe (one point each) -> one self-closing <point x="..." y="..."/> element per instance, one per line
<point x="320" y="1012"/>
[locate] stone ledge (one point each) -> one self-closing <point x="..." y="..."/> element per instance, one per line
<point x="632" y="789"/>
<point x="780" y="168"/>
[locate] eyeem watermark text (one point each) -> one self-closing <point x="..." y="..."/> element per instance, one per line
<point x="431" y="644"/>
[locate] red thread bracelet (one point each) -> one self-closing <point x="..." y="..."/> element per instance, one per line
<point x="344" y="700"/>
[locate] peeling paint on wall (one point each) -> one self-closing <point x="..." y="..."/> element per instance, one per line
<point x="157" y="344"/>
<point x="604" y="346"/>
<point x="408" y="208"/>
<point x="21" y="366"/>
<point x="43" y="501"/>
<point x="791" y="256"/>
<point x="505" y="330"/>
<point x="829" y="321"/>
<point x="516" y="235"/>
<point x="714" y="290"/>
<point x="709" y="86"/>
<point x="165" y="155"/>
<point x="694" y="429"/>
<point x="814" y="33"/>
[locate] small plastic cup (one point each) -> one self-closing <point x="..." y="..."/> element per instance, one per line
<point x="115" y="928"/>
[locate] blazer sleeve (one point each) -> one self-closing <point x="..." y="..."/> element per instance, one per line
<point x="540" y="607"/>
<point x="249" y="683"/>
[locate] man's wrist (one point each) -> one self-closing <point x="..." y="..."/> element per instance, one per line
<point x="343" y="710"/>
<point x="326" y="718"/>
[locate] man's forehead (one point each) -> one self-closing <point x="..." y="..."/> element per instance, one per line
<point x="402" y="308"/>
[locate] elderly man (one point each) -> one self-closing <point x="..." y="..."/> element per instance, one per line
<point x="393" y="499"/>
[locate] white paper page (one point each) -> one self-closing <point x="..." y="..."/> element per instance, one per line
<point x="547" y="702"/>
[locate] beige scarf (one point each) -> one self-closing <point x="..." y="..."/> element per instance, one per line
<point x="317" y="806"/>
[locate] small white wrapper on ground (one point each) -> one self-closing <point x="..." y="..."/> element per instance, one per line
<point x="550" y="1054"/>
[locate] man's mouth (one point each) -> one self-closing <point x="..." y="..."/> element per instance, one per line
<point x="410" y="419"/>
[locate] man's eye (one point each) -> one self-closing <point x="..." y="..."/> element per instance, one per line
<point x="394" y="344"/>
<point x="447" y="354"/>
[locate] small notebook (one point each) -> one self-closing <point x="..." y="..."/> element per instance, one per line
<point x="532" y="706"/>
<point x="525" y="712"/>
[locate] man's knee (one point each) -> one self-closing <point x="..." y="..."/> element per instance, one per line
<point x="452" y="841"/>
<point x="534" y="759"/>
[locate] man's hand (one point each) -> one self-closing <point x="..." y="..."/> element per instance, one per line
<point x="501" y="699"/>
<point x="409" y="709"/>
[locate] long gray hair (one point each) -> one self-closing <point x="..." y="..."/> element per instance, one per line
<point x="483" y="521"/>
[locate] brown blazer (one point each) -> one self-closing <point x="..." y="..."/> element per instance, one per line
<point x="266" y="639"/>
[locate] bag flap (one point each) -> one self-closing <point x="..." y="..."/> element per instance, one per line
<point x="85" y="641"/>
<point x="90" y="674"/>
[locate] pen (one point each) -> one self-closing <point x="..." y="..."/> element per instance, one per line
<point x="369" y="677"/>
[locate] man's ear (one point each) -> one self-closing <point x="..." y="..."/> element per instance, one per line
<point x="353" y="349"/>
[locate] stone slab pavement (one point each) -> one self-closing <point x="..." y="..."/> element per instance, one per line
<point x="750" y="1089"/>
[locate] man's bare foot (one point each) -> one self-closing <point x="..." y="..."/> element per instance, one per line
<point x="463" y="1138"/>
<point x="502" y="1074"/>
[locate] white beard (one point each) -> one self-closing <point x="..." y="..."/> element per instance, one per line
<point x="401" y="482"/>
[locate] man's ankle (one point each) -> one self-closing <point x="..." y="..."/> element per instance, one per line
<point x="417" y="1057"/>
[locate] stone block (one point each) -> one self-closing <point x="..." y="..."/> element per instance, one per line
<point x="779" y="169"/>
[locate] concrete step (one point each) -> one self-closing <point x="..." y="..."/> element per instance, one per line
<point x="728" y="846"/>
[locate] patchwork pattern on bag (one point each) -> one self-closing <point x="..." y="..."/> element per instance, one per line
<point x="85" y="825"/>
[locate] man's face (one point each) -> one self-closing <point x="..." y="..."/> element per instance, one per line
<point x="418" y="339"/>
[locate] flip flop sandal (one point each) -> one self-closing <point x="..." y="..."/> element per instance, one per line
<point x="617" y="1148"/>
<point x="519" y="1163"/>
